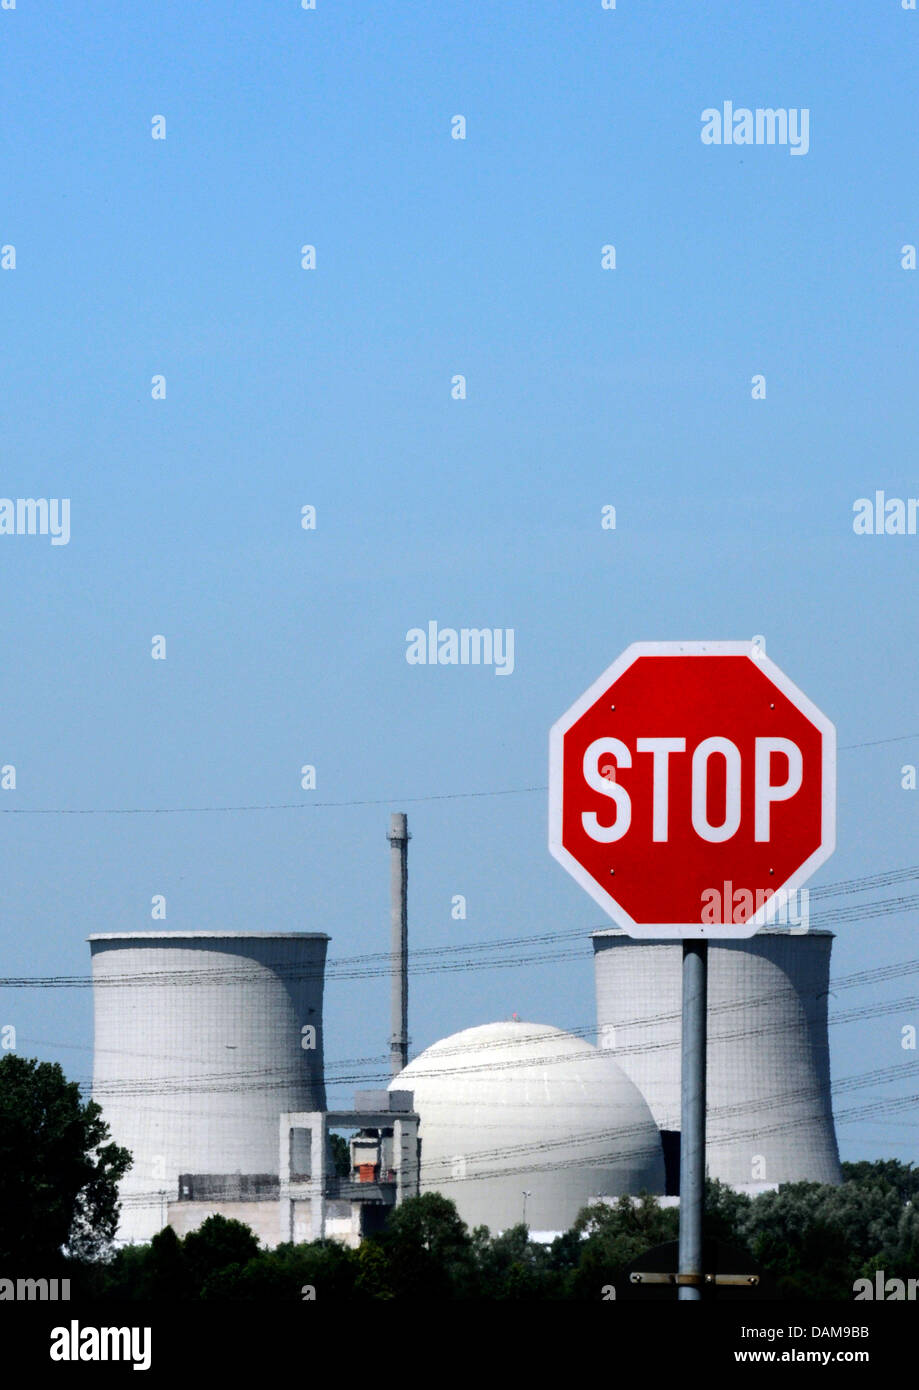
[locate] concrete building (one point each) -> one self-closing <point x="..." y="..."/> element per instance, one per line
<point x="524" y="1119"/>
<point x="770" y="1118"/>
<point x="315" y="1203"/>
<point x="202" y="1040"/>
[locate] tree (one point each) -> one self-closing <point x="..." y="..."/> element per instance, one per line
<point x="511" y="1266"/>
<point x="429" y="1250"/>
<point x="154" y="1273"/>
<point x="615" y="1234"/>
<point x="172" y="1269"/>
<point x="431" y="1222"/>
<point x="885" y="1172"/>
<point x="217" y="1243"/>
<point x="725" y="1212"/>
<point x="564" y="1256"/>
<point x="373" y="1276"/>
<point x="816" y="1238"/>
<point x="60" y="1170"/>
<point x="291" y="1273"/>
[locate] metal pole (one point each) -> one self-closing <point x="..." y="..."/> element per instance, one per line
<point x="692" y="1122"/>
<point x="398" y="880"/>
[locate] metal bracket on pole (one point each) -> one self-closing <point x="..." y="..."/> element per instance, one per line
<point x="695" y="1280"/>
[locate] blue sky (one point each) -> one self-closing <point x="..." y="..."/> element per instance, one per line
<point x="332" y="387"/>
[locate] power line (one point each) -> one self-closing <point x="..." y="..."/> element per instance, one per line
<point x="876" y="742"/>
<point x="342" y="1072"/>
<point x="320" y="805"/>
<point x="271" y="806"/>
<point x="545" y="948"/>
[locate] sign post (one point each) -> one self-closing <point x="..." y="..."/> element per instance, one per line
<point x="692" y="1118"/>
<point x="692" y="788"/>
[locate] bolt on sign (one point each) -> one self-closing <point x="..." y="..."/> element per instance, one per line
<point x="692" y="774"/>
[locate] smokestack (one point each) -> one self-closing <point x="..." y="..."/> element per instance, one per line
<point x="398" y="839"/>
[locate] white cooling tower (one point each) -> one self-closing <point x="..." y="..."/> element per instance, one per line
<point x="516" y="1107"/>
<point x="770" y="1118"/>
<point x="201" y="1040"/>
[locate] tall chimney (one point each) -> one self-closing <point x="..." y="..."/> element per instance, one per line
<point x="398" y="880"/>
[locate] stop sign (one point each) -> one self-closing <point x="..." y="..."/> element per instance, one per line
<point x="689" y="785"/>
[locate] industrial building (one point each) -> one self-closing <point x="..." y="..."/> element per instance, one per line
<point x="317" y="1203"/>
<point x="201" y="1040"/>
<point x="770" y="1117"/>
<point x="523" y="1121"/>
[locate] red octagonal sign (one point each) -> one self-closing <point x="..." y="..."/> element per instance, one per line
<point x="689" y="786"/>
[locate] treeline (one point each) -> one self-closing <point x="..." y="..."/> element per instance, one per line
<point x="813" y="1241"/>
<point x="59" y="1176"/>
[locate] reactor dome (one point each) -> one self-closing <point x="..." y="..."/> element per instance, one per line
<point x="523" y="1116"/>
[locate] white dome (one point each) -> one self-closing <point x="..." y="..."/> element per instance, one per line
<point x="513" y="1107"/>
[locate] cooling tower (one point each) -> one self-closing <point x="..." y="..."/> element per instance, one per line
<point x="516" y="1107"/>
<point x="769" y="1113"/>
<point x="201" y="1040"/>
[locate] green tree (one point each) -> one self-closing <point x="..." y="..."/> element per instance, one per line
<point x="60" y="1170"/>
<point x="903" y="1178"/>
<point x="816" y="1239"/>
<point x="429" y="1250"/>
<point x="218" y="1242"/>
<point x="156" y="1273"/>
<point x="431" y="1222"/>
<point x="511" y="1266"/>
<point x="166" y="1277"/>
<point x="614" y="1234"/>
<point x="171" y="1269"/>
<point x="373" y="1274"/>
<point x="563" y="1257"/>
<point x="725" y="1213"/>
<point x="286" y="1274"/>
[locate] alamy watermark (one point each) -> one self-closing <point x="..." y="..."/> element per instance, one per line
<point x="884" y="1289"/>
<point x="32" y="1290"/>
<point x="76" y="1343"/>
<point x="36" y="516"/>
<point x="885" y="516"/>
<point x="766" y="125"/>
<point x="466" y="646"/>
<point x="782" y="907"/>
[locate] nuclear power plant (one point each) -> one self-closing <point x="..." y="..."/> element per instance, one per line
<point x="209" y="1068"/>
